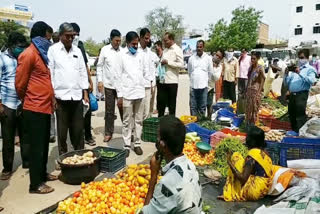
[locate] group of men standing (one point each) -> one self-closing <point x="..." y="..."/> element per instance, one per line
<point x="130" y="75"/>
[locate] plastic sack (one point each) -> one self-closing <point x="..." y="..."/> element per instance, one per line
<point x="313" y="206"/>
<point x="93" y="102"/>
<point x="236" y="121"/>
<point x="304" y="164"/>
<point x="311" y="129"/>
<point x="264" y="210"/>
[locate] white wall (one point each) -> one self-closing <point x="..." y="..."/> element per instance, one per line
<point x="307" y="20"/>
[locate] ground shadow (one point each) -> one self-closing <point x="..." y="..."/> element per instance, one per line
<point x="100" y="130"/>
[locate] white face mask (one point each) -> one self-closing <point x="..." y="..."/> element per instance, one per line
<point x="229" y="55"/>
<point x="75" y="41"/>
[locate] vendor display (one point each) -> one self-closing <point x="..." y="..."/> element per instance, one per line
<point x="86" y="158"/>
<point x="272" y="107"/>
<point x="124" y="194"/>
<point x="275" y="135"/>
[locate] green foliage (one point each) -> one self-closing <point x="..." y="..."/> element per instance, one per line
<point x="6" y="28"/>
<point x="242" y="32"/>
<point x="160" y="20"/>
<point x="92" y="47"/>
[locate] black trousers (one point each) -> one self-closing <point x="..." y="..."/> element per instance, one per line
<point x="70" y="118"/>
<point x="87" y="125"/>
<point x="242" y="85"/>
<point x="284" y="90"/>
<point x="38" y="127"/>
<point x="297" y="109"/>
<point x="110" y="105"/>
<point x="229" y="91"/>
<point x="167" y="96"/>
<point x="10" y="122"/>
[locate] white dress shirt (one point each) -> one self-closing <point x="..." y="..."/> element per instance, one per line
<point x="199" y="69"/>
<point x="150" y="75"/>
<point x="108" y="67"/>
<point x="174" y="56"/>
<point x="132" y="75"/>
<point x="68" y="72"/>
<point x="214" y="76"/>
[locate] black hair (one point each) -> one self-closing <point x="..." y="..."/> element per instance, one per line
<point x="172" y="133"/>
<point x="115" y="33"/>
<point x="50" y="30"/>
<point x="255" y="138"/>
<point x="305" y="52"/>
<point x="14" y="38"/>
<point x="201" y="41"/>
<point x="39" y="29"/>
<point x="257" y="54"/>
<point x="314" y="55"/>
<point x="131" y="36"/>
<point x="144" y="31"/>
<point x="221" y="51"/>
<point x="170" y="35"/>
<point x="76" y="27"/>
<point x="55" y="37"/>
<point x="245" y="49"/>
<point x="158" y="43"/>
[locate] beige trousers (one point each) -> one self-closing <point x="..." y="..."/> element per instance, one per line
<point x="132" y="119"/>
<point x="146" y="103"/>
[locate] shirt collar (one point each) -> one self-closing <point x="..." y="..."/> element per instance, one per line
<point x="172" y="163"/>
<point x="111" y="48"/>
<point x="6" y="52"/>
<point x="63" y="48"/>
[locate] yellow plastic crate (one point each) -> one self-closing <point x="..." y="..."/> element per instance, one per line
<point x="188" y="119"/>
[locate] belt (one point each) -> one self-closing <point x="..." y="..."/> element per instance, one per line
<point x="299" y="92"/>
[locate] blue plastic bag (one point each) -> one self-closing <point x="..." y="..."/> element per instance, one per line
<point x="236" y="120"/>
<point x="93" y="102"/>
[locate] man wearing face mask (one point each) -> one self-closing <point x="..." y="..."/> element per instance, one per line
<point x="88" y="139"/>
<point x="9" y="101"/>
<point x="179" y="190"/>
<point x="70" y="82"/>
<point x="132" y="91"/>
<point x="230" y="73"/>
<point x="34" y="88"/>
<point x="299" y="83"/>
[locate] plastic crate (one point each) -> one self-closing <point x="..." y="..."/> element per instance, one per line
<point x="221" y="105"/>
<point x="236" y="121"/>
<point x="203" y="133"/>
<point x="188" y="119"/>
<point x="112" y="164"/>
<point x="150" y="129"/>
<point x="275" y="123"/>
<point x="293" y="148"/>
<point x="273" y="149"/>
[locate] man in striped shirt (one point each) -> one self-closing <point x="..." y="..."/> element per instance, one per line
<point x="9" y="100"/>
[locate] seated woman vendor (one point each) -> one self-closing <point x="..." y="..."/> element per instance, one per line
<point x="249" y="179"/>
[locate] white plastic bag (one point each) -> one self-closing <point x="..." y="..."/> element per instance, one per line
<point x="311" y="129"/>
<point x="304" y="164"/>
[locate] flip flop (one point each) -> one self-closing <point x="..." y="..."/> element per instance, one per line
<point x="42" y="189"/>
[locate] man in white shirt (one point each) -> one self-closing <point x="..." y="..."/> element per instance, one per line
<point x="172" y="59"/>
<point x="70" y="83"/>
<point x="108" y="74"/>
<point x="199" y="67"/>
<point x="213" y="78"/>
<point x="150" y="75"/>
<point x="132" y="91"/>
<point x="244" y="63"/>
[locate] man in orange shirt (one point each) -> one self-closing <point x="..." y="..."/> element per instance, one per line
<point x="34" y="88"/>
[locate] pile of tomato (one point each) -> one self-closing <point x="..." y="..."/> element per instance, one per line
<point x="199" y="159"/>
<point x="121" y="195"/>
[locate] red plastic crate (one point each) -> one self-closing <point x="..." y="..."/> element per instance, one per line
<point x="275" y="123"/>
<point x="233" y="133"/>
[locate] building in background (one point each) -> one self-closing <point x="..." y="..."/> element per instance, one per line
<point x="305" y="22"/>
<point x="263" y="34"/>
<point x="18" y="13"/>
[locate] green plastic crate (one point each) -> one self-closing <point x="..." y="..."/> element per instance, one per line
<point x="150" y="129"/>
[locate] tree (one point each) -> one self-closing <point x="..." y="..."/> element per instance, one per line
<point x="160" y="20"/>
<point x="6" y="27"/>
<point x="92" y="47"/>
<point x="242" y="32"/>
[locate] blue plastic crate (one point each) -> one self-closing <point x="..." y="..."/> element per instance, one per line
<point x="273" y="149"/>
<point x="203" y="133"/>
<point x="293" y="148"/>
<point x="236" y="121"/>
<point x="221" y="105"/>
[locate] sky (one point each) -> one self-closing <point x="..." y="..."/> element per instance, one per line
<point x="98" y="17"/>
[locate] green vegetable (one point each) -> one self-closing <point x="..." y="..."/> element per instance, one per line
<point x="227" y="145"/>
<point x="208" y="124"/>
<point x="107" y="154"/>
<point x="278" y="110"/>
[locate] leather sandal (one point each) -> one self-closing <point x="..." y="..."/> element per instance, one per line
<point x="42" y="189"/>
<point x="51" y="177"/>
